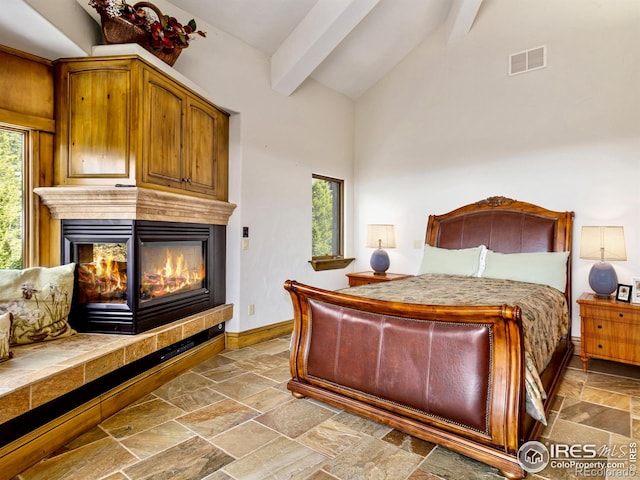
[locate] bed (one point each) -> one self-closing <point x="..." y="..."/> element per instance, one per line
<point x="465" y="371"/>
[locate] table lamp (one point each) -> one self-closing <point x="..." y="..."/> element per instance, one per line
<point x="603" y="243"/>
<point x="380" y="236"/>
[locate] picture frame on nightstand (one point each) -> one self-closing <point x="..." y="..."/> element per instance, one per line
<point x="635" y="290"/>
<point x="623" y="293"/>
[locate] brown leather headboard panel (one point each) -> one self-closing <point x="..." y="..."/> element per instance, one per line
<point x="504" y="225"/>
<point x="505" y="232"/>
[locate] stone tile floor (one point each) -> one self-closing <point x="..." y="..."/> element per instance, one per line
<point x="231" y="417"/>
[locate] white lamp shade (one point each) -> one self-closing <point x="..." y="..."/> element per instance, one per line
<point x="380" y="236"/>
<point x="603" y="243"/>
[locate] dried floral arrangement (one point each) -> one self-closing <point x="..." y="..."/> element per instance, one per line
<point x="144" y="23"/>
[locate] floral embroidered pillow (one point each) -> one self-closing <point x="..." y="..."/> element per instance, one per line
<point x="5" y="336"/>
<point x="40" y="300"/>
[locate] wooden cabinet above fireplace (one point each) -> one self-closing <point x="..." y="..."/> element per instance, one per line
<point x="122" y="121"/>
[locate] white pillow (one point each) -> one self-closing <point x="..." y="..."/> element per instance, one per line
<point x="465" y="261"/>
<point x="544" y="268"/>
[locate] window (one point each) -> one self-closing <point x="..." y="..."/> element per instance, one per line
<point x="327" y="217"/>
<point x="12" y="163"/>
<point x="327" y="226"/>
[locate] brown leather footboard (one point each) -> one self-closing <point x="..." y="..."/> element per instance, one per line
<point x="450" y="375"/>
<point x="439" y="369"/>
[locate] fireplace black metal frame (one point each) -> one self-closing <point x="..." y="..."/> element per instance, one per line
<point x="136" y="316"/>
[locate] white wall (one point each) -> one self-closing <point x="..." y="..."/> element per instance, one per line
<point x="276" y="144"/>
<point x="66" y="16"/>
<point x="448" y="126"/>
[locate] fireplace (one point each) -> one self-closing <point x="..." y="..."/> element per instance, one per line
<point x="135" y="275"/>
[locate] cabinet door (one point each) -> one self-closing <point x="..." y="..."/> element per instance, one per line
<point x="207" y="149"/>
<point x="164" y="106"/>
<point x="96" y="124"/>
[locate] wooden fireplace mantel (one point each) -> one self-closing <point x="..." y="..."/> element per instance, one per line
<point x="132" y="203"/>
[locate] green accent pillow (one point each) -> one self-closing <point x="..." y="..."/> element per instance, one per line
<point x="5" y="336"/>
<point x="544" y="268"/>
<point x="40" y="300"/>
<point x="465" y="261"/>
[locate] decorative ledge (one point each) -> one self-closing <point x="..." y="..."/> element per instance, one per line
<point x="132" y="203"/>
<point x="330" y="263"/>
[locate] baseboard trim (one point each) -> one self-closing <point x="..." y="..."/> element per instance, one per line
<point x="577" y="343"/>
<point x="24" y="452"/>
<point x="237" y="340"/>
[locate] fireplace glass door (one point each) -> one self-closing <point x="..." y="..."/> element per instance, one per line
<point x="171" y="267"/>
<point x="102" y="272"/>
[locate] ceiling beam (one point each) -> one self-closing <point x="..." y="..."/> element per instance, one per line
<point x="319" y="32"/>
<point x="461" y="17"/>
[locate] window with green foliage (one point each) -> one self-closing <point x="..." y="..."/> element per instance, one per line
<point x="327" y="222"/>
<point x="11" y="200"/>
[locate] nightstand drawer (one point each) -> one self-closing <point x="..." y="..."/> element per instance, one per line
<point x="614" y="312"/>
<point x="611" y="349"/>
<point x="604" y="328"/>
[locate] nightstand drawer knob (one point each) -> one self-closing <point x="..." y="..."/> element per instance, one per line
<point x="621" y="315"/>
<point x="599" y="326"/>
<point x="599" y="346"/>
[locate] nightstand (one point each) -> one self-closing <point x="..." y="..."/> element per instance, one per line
<point x="609" y="330"/>
<point x="365" y="278"/>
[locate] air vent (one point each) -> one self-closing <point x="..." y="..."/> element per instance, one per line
<point x="528" y="60"/>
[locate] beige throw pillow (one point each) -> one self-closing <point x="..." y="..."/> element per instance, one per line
<point x="40" y="300"/>
<point x="5" y="336"/>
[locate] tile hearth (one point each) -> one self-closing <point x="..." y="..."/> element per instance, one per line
<point x="231" y="417"/>
<point x="41" y="372"/>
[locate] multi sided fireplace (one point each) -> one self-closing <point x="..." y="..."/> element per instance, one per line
<point x="135" y="275"/>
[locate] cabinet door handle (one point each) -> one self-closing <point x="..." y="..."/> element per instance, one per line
<point x="599" y="326"/>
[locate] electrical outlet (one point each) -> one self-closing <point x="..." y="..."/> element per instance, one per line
<point x="252" y="309"/>
<point x="245" y="244"/>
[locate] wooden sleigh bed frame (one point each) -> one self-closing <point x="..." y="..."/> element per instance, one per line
<point x="335" y="334"/>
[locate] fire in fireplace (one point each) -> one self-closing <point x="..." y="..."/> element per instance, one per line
<point x="102" y="272"/>
<point x="165" y="272"/>
<point x="165" y="269"/>
<point x="134" y="275"/>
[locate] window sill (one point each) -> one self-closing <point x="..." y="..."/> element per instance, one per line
<point x="330" y="263"/>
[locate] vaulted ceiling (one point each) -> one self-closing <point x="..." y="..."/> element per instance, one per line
<point x="347" y="45"/>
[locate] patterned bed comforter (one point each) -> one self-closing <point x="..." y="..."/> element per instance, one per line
<point x="545" y="314"/>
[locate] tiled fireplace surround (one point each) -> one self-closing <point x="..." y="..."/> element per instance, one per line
<point x="40" y="373"/>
